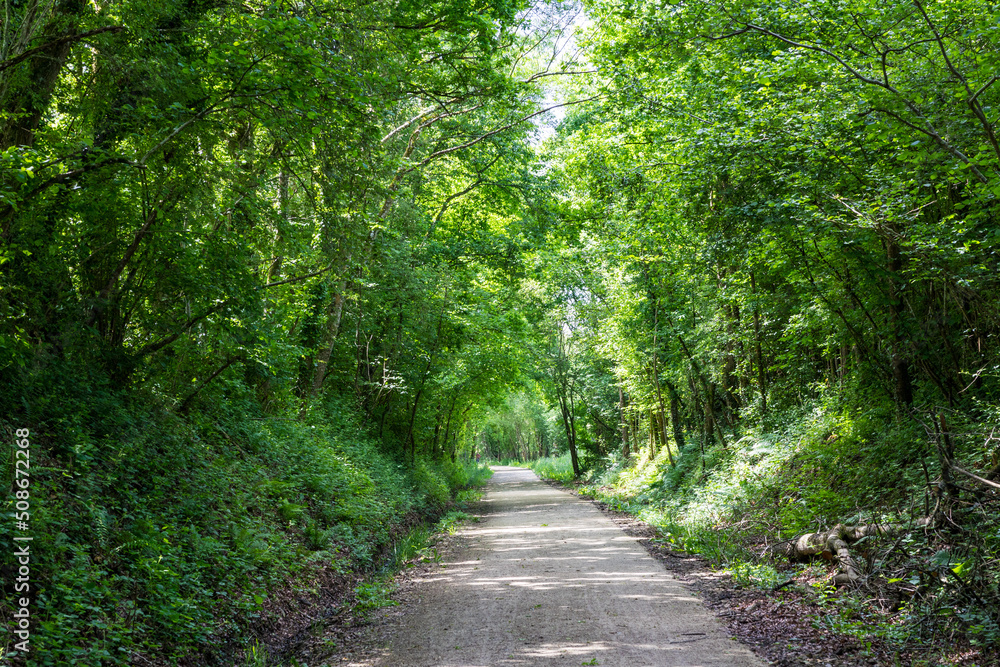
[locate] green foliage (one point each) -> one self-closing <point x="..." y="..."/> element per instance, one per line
<point x="256" y="656"/>
<point x="477" y="475"/>
<point x="758" y="575"/>
<point x="450" y="522"/>
<point x="260" y="327"/>
<point x="165" y="533"/>
<point x="520" y="429"/>
<point x="198" y="200"/>
<point x="818" y="466"/>
<point x="374" y="595"/>
<point x="406" y="547"/>
<point x="559" y="468"/>
<point x="432" y="486"/>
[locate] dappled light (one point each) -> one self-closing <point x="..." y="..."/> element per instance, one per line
<point x="522" y="593"/>
<point x="280" y="281"/>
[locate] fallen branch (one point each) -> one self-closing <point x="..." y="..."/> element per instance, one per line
<point x="834" y="544"/>
<point x="976" y="477"/>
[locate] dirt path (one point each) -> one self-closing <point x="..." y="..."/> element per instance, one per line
<point x="546" y="579"/>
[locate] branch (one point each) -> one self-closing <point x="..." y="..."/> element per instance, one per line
<point x="163" y="342"/>
<point x="504" y="128"/>
<point x="728" y="35"/>
<point x="187" y="401"/>
<point x="17" y="60"/>
<point x="297" y="279"/>
<point x="452" y="197"/>
<point x="933" y="134"/>
<point x="542" y="75"/>
<point x="105" y="292"/>
<point x="597" y="418"/>
<point x="450" y="114"/>
<point x="201" y="114"/>
<point x="979" y="479"/>
<point x="971" y="101"/>
<point x="983" y="88"/>
<point x="11" y="208"/>
<point x="885" y="85"/>
<point x="129" y="253"/>
<point x="819" y="49"/>
<point x="419" y="116"/>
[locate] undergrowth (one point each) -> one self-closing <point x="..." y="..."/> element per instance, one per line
<point x="417" y="545"/>
<point x="806" y="471"/>
<point x="156" y="533"/>
<point x="559" y="468"/>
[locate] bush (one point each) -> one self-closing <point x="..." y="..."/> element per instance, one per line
<point x="432" y="486"/>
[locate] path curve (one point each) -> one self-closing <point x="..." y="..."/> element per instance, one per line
<point x="546" y="579"/>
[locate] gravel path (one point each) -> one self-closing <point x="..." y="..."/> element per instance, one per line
<point x="546" y="579"/>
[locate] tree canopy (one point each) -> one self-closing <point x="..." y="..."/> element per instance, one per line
<point x="626" y="231"/>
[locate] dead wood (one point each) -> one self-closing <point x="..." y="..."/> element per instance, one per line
<point x="834" y="544"/>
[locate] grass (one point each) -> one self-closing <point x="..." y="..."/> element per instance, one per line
<point x="374" y="594"/>
<point x="559" y="468"/>
<point x="451" y="521"/>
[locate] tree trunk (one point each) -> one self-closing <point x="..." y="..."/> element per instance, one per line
<point x="652" y="433"/>
<point x="564" y="388"/>
<point x="834" y="544"/>
<point x="330" y="340"/>
<point x="570" y="434"/>
<point x="664" y="439"/>
<point x="624" y="422"/>
<point x="423" y="379"/>
<point x="437" y="431"/>
<point x="447" y="423"/>
<point x="709" y="413"/>
<point x="900" y="364"/>
<point x="730" y="383"/>
<point x="675" y="418"/>
<point x="275" y="268"/>
<point x="761" y="373"/>
<point x="656" y="383"/>
<point x="27" y="103"/>
<point x="946" y="454"/>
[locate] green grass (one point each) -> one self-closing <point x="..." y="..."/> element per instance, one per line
<point x="450" y="522"/>
<point x="559" y="468"/>
<point x="374" y="594"/>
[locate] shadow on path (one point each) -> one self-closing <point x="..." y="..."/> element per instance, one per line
<point x="546" y="579"/>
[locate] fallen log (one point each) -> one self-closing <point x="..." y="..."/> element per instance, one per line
<point x="834" y="544"/>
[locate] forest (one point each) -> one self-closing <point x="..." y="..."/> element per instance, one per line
<point x="279" y="277"/>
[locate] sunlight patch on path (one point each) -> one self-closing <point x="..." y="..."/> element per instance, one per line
<point x="572" y="591"/>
